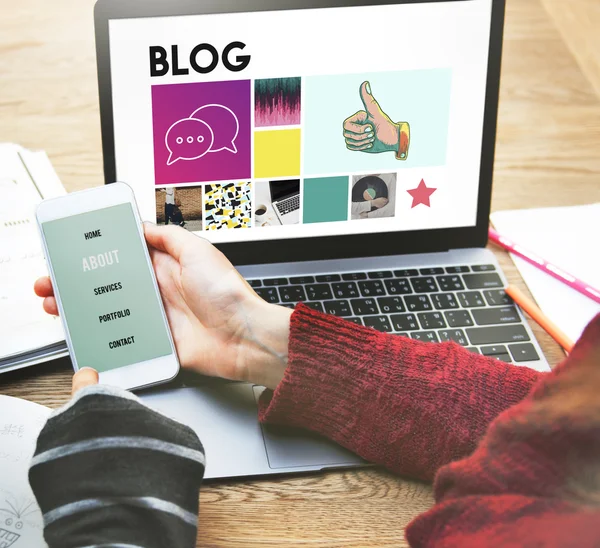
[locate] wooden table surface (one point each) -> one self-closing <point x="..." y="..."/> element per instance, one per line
<point x="548" y="155"/>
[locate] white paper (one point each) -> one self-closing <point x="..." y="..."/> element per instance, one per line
<point x="21" y="524"/>
<point x="25" y="179"/>
<point x="567" y="237"/>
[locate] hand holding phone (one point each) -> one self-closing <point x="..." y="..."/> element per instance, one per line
<point x="220" y="326"/>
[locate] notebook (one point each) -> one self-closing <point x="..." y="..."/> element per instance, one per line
<point x="27" y="334"/>
<point x="21" y="523"/>
<point x="567" y="237"/>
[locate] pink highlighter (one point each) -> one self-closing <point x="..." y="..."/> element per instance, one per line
<point x="548" y="268"/>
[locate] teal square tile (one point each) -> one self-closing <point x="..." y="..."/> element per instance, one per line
<point x="325" y="199"/>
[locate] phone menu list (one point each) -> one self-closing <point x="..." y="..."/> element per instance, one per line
<point x="112" y="310"/>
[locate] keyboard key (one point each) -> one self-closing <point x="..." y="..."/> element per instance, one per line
<point x="357" y="321"/>
<point x="473" y="349"/>
<point x="318" y="292"/>
<point x="501" y="358"/>
<point x="328" y="278"/>
<point x="496" y="350"/>
<point x="444" y="301"/>
<point x="431" y="271"/>
<point x="497" y="297"/>
<point x="457" y="269"/>
<point x="424" y="285"/>
<point x="471" y="299"/>
<point x="524" y="352"/>
<point x="354" y="276"/>
<point x="405" y="273"/>
<point x="456" y="335"/>
<point x="389" y="305"/>
<point x="371" y="289"/>
<point x="380" y="275"/>
<point x="431" y="320"/>
<point x="292" y="294"/>
<point x="450" y="283"/>
<point x="316" y="306"/>
<point x="484" y="268"/>
<point x="399" y="286"/>
<point x="482" y="281"/>
<point x="346" y="290"/>
<point x="403" y="335"/>
<point x="425" y="336"/>
<point x="497" y="334"/>
<point x="459" y="318"/>
<point x="254" y="283"/>
<point x="289" y="305"/>
<point x="302" y="280"/>
<point x="491" y="316"/>
<point x="268" y="294"/>
<point x="381" y="323"/>
<point x="404" y="322"/>
<point x="338" y="308"/>
<point x="418" y="303"/>
<point x="362" y="307"/>
<point x="276" y="281"/>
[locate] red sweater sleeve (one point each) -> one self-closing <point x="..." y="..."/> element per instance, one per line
<point x="531" y="478"/>
<point x="409" y="406"/>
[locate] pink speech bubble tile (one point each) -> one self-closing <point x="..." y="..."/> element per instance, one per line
<point x="201" y="132"/>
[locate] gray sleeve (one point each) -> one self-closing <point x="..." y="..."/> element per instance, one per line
<point x="110" y="471"/>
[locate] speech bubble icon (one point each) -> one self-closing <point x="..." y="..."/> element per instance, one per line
<point x="224" y="123"/>
<point x="188" y="139"/>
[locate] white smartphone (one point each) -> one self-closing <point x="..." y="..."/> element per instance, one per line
<point x="105" y="287"/>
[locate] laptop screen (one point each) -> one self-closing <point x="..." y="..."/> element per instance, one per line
<point x="374" y="112"/>
<point x="280" y="190"/>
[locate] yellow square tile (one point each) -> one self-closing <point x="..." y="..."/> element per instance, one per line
<point x="277" y="153"/>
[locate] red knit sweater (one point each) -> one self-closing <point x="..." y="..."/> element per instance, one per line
<point x="515" y="454"/>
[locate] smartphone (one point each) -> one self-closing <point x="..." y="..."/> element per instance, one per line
<point x="105" y="287"/>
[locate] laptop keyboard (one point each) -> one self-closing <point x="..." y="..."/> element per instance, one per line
<point x="289" y="204"/>
<point x="464" y="304"/>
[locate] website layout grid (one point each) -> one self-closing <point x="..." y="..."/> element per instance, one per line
<point x="238" y="156"/>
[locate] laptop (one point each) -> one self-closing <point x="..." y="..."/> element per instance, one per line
<point x="285" y="197"/>
<point x="218" y="99"/>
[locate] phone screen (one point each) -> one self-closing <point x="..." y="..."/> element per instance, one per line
<point x="111" y="308"/>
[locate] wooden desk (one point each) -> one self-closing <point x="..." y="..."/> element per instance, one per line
<point x="548" y="155"/>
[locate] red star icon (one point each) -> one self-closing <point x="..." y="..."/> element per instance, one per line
<point x="421" y="194"/>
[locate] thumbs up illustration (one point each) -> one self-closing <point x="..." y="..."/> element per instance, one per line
<point x="371" y="130"/>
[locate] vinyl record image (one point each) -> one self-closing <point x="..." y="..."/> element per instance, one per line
<point x="372" y="185"/>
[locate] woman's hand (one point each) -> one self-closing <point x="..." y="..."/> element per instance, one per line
<point x="220" y="326"/>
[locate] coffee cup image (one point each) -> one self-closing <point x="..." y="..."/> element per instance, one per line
<point x="260" y="214"/>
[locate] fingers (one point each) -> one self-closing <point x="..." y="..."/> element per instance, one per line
<point x="359" y="138"/>
<point x="84" y="377"/>
<point x="358" y="147"/>
<point x="358" y="134"/>
<point x="50" y="306"/>
<point x="357" y="124"/>
<point x="371" y="105"/>
<point x="43" y="287"/>
<point x="170" y="239"/>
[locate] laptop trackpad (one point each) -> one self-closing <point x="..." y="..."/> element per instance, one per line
<point x="295" y="448"/>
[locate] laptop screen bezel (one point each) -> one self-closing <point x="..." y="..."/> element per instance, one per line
<point x="323" y="247"/>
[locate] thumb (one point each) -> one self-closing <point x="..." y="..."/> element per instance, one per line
<point x="84" y="377"/>
<point x="369" y="102"/>
<point x="169" y="239"/>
